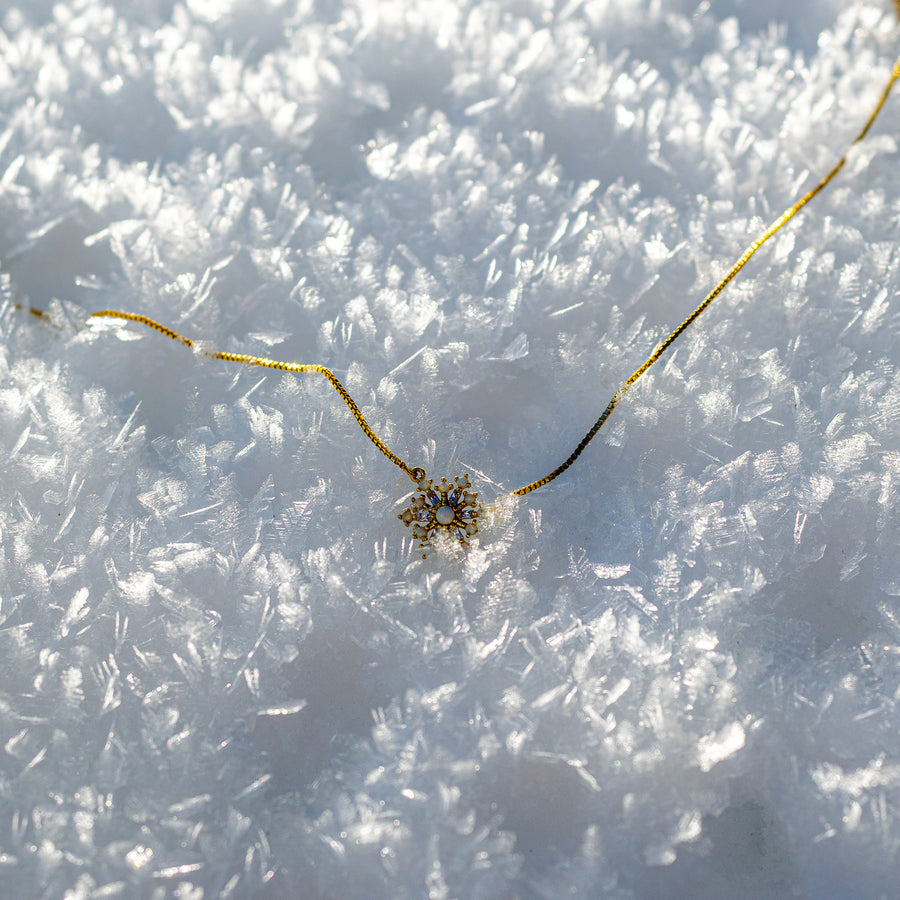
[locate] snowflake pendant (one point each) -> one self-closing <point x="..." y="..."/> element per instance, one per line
<point x="443" y="508"/>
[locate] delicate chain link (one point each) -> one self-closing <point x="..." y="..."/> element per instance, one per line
<point x="247" y="360"/>
<point x="417" y="473"/>
<point x="783" y="219"/>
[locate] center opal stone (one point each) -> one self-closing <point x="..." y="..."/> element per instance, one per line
<point x="445" y="515"/>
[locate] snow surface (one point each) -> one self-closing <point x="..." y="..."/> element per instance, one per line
<point x="225" y="670"/>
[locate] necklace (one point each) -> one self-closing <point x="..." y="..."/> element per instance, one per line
<point x="449" y="508"/>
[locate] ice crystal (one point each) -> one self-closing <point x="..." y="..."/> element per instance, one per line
<point x="225" y="671"/>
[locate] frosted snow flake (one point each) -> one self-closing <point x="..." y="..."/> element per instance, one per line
<point x="717" y="746"/>
<point x="856" y="783"/>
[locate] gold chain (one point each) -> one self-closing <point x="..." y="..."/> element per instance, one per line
<point x="782" y="220"/>
<point x="417" y="473"/>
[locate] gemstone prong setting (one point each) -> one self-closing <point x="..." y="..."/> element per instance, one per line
<point x="444" y="508"/>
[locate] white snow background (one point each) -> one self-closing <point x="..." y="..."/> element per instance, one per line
<point x="225" y="670"/>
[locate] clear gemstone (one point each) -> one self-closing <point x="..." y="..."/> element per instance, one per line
<point x="445" y="515"/>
